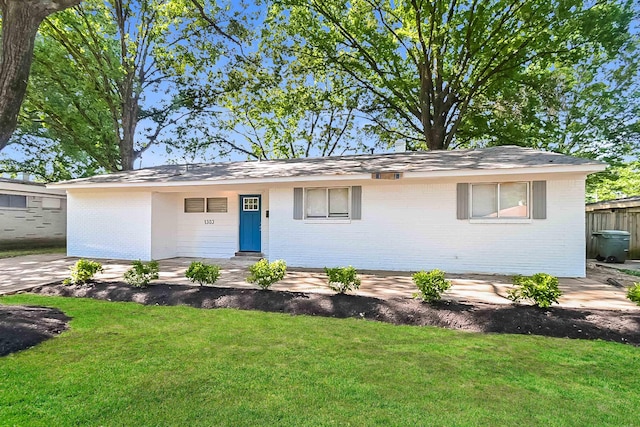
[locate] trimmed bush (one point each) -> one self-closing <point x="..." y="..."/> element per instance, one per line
<point x="633" y="293"/>
<point x="140" y="274"/>
<point x="541" y="289"/>
<point x="83" y="271"/>
<point x="265" y="274"/>
<point x="204" y="274"/>
<point x="342" y="279"/>
<point x="431" y="284"/>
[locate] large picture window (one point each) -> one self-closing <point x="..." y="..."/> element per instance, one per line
<point x="500" y="200"/>
<point x="327" y="202"/>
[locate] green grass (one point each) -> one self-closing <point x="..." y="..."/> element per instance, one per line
<point x="631" y="272"/>
<point x="128" y="364"/>
<point x="9" y="253"/>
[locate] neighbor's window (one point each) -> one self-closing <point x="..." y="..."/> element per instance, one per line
<point x="194" y="205"/>
<point x="217" y="204"/>
<point x="51" y="203"/>
<point x="13" y="201"/>
<point x="500" y="200"/>
<point x="327" y="203"/>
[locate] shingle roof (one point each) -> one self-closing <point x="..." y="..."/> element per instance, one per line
<point x="21" y="181"/>
<point x="504" y="157"/>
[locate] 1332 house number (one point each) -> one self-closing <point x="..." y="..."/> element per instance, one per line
<point x="208" y="221"/>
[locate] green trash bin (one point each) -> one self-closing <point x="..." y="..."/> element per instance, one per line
<point x="611" y="245"/>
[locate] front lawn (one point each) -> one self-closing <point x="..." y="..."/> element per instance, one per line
<point x="128" y="364"/>
<point x="9" y="253"/>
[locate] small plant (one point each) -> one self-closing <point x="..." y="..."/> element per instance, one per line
<point x="204" y="274"/>
<point x="265" y="274"/>
<point x="431" y="284"/>
<point x="140" y="274"/>
<point x="342" y="279"/>
<point x="541" y="288"/>
<point x="633" y="293"/>
<point x="83" y="271"/>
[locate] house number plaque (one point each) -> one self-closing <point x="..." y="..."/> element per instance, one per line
<point x="208" y="221"/>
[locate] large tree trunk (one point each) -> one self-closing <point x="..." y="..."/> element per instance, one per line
<point x="129" y="124"/>
<point x="20" y="22"/>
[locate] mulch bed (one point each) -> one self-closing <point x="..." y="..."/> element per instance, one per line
<point x="609" y="325"/>
<point x="23" y="327"/>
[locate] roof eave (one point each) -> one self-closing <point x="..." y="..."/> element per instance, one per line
<point x="579" y="169"/>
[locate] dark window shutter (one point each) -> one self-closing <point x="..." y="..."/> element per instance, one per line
<point x="539" y="199"/>
<point x="463" y="201"/>
<point x="356" y="202"/>
<point x="298" y="194"/>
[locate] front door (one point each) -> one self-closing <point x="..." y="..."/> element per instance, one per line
<point x="250" y="223"/>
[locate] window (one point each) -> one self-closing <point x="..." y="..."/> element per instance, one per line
<point x="194" y="205"/>
<point x="13" y="201"/>
<point x="509" y="200"/>
<point x="217" y="204"/>
<point x="500" y="200"/>
<point x="250" y="204"/>
<point x="51" y="203"/>
<point x="327" y="203"/>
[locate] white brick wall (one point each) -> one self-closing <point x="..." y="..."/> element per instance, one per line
<point x="414" y="226"/>
<point x="109" y="225"/>
<point x="220" y="239"/>
<point x="164" y="217"/>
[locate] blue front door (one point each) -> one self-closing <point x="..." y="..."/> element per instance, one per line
<point x="250" y="223"/>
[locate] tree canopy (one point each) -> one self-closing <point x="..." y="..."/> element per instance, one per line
<point x="440" y="72"/>
<point x="290" y="78"/>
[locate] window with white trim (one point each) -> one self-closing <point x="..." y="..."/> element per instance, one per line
<point x="13" y="201"/>
<point x="327" y="202"/>
<point x="500" y="200"/>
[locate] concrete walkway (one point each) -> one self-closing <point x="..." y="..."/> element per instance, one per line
<point x="22" y="273"/>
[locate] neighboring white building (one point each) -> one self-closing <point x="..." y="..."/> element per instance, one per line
<point x="497" y="210"/>
<point x="31" y="214"/>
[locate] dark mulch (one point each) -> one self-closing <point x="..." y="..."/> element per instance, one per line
<point x="23" y="327"/>
<point x="610" y="325"/>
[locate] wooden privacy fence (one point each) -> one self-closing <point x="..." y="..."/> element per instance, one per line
<point x="614" y="219"/>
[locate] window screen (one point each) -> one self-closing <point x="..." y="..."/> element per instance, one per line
<point x="339" y="202"/>
<point x="194" y="205"/>
<point x="316" y="206"/>
<point x="217" y="204"/>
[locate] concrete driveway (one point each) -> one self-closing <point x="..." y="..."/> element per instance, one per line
<point x="22" y="273"/>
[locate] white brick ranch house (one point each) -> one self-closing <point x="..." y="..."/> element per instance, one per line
<point x="496" y="210"/>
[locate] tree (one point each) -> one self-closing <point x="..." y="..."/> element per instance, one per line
<point x="433" y="66"/>
<point x="104" y="87"/>
<point x="270" y="106"/>
<point x="20" y="22"/>
<point x="265" y="103"/>
<point x="614" y="183"/>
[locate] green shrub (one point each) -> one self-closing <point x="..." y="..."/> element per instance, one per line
<point x="140" y="274"/>
<point x="541" y="288"/>
<point x="633" y="293"/>
<point x="265" y="274"/>
<point x="83" y="271"/>
<point x="342" y="279"/>
<point x="204" y="274"/>
<point x="431" y="284"/>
